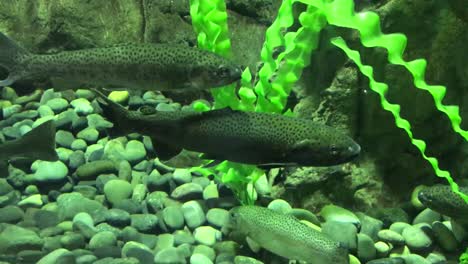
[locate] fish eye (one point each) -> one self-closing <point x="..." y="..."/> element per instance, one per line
<point x="233" y="215"/>
<point x="334" y="150"/>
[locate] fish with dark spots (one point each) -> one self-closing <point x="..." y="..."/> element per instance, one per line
<point x="127" y="66"/>
<point x="285" y="235"/>
<point x="39" y="143"/>
<point x="262" y="139"/>
<point x="443" y="200"/>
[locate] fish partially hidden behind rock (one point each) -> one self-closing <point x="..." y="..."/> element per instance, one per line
<point x="285" y="236"/>
<point x="127" y="66"/>
<point x="443" y="200"/>
<point x="262" y="139"/>
<point x="39" y="143"/>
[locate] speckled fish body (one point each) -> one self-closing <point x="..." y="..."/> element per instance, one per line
<point x="285" y="236"/>
<point x="442" y="199"/>
<point x="130" y="66"/>
<point x="245" y="137"/>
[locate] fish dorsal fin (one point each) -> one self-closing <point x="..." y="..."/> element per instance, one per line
<point x="222" y="111"/>
<point x="122" y="44"/>
<point x="11" y="52"/>
<point x="119" y="45"/>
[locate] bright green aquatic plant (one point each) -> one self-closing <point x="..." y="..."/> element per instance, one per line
<point x="278" y="75"/>
<point x="381" y="89"/>
<point x="275" y="78"/>
<point x="464" y="257"/>
<point x="341" y="13"/>
<point x="209" y="20"/>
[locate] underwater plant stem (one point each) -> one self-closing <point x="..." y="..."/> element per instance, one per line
<point x="341" y="13"/>
<point x="381" y="89"/>
<point x="278" y="75"/>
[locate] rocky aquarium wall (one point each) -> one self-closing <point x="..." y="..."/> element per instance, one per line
<point x="110" y="198"/>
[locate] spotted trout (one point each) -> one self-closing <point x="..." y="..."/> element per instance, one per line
<point x="443" y="200"/>
<point x="262" y="139"/>
<point x="285" y="236"/>
<point x="126" y="66"/>
<point x="39" y="143"/>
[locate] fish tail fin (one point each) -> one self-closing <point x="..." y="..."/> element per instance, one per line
<point x="10" y="56"/>
<point x="41" y="141"/>
<point x="115" y="113"/>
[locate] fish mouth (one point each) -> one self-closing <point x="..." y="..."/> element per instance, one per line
<point x="348" y="155"/>
<point x="354" y="151"/>
<point x="236" y="73"/>
<point x="423" y="198"/>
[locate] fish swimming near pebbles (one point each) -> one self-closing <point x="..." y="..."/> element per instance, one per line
<point x="285" y="235"/>
<point x="127" y="66"/>
<point x="262" y="139"/>
<point x="37" y="144"/>
<point x="443" y="200"/>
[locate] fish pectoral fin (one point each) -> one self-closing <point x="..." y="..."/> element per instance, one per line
<point x="297" y="147"/>
<point x="185" y="159"/>
<point x="212" y="160"/>
<point x="68" y="93"/>
<point x="212" y="164"/>
<point x="163" y="150"/>
<point x="61" y="84"/>
<point x="253" y="244"/>
<point x="301" y="144"/>
<point x="208" y="156"/>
